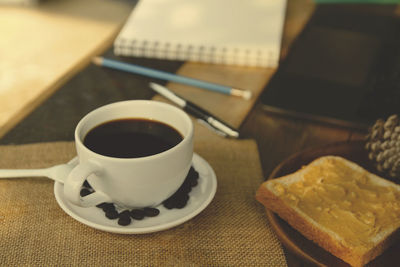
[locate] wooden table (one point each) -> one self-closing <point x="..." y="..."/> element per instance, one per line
<point x="44" y="45"/>
<point x="277" y="136"/>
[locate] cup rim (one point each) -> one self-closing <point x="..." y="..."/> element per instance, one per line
<point x="186" y="138"/>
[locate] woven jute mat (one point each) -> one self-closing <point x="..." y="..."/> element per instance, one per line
<point x="231" y="231"/>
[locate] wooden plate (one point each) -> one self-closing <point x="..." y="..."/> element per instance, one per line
<point x="300" y="245"/>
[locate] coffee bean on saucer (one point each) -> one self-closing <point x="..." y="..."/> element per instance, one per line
<point x="177" y="201"/>
<point x="137" y="214"/>
<point x="169" y="203"/>
<point x="151" y="212"/>
<point x="187" y="186"/>
<point x="193" y="182"/>
<point x="182" y="191"/>
<point x="124" y="218"/>
<point x="101" y="205"/>
<point x="108" y="207"/>
<point x="181" y="201"/>
<point x="112" y="214"/>
<point x="193" y="173"/>
<point x="84" y="192"/>
<point x="180" y="205"/>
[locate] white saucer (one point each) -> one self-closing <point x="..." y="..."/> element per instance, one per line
<point x="200" y="196"/>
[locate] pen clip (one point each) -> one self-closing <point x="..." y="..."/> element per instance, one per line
<point x="207" y="125"/>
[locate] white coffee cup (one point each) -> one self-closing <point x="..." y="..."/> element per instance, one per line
<point x="131" y="182"/>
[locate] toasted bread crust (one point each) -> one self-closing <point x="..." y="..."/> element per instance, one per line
<point x="323" y="239"/>
<point x="353" y="255"/>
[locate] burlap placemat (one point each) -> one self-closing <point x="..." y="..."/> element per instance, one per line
<point x="231" y="231"/>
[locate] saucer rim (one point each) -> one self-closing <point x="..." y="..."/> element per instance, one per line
<point x="143" y="230"/>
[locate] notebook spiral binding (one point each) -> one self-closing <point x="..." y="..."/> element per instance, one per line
<point x="256" y="56"/>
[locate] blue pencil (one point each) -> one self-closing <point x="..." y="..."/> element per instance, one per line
<point x="113" y="64"/>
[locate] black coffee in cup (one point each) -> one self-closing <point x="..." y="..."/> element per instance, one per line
<point x="131" y="138"/>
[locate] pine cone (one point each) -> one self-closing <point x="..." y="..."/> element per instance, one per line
<point x="383" y="146"/>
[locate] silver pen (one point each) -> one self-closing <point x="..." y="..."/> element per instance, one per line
<point x="202" y="115"/>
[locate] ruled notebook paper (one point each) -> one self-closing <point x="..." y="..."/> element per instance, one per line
<point x="233" y="32"/>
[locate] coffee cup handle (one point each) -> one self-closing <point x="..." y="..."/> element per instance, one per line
<point x="74" y="182"/>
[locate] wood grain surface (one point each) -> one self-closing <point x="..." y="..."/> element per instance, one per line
<point x="43" y="46"/>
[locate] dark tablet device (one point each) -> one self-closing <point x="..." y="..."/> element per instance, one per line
<point x="344" y="68"/>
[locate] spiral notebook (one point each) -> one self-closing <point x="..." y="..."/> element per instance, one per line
<point x="233" y="32"/>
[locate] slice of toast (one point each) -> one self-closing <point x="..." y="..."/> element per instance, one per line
<point x="348" y="211"/>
